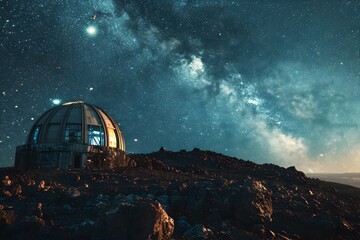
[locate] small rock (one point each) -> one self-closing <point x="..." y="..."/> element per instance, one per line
<point x="38" y="210"/>
<point x="6" y="193"/>
<point x="41" y="185"/>
<point x="17" y="190"/>
<point x="199" y="232"/>
<point x="346" y="225"/>
<point x="31" y="182"/>
<point x="7" y="181"/>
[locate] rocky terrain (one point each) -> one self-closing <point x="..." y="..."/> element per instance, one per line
<point x="176" y="195"/>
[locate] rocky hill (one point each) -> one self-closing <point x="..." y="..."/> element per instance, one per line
<point x="176" y="195"/>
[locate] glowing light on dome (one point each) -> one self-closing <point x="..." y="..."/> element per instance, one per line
<point x="56" y="101"/>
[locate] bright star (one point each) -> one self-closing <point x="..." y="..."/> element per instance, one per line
<point x="56" y="101"/>
<point x="91" y="30"/>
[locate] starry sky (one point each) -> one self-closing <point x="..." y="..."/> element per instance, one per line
<point x="267" y="81"/>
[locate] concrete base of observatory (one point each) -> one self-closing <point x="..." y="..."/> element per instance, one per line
<point x="68" y="156"/>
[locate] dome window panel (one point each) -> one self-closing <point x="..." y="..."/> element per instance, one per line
<point x="53" y="133"/>
<point x="112" y="138"/>
<point x="58" y="117"/>
<point x="107" y="121"/>
<point x="92" y="116"/>
<point x="96" y="135"/>
<point x="73" y="133"/>
<point x="75" y="115"/>
<point x="36" y="134"/>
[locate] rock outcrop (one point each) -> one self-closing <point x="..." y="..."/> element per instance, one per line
<point x="131" y="217"/>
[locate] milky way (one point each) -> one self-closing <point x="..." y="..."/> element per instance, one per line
<point x="268" y="81"/>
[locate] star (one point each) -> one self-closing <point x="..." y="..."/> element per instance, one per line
<point x="91" y="31"/>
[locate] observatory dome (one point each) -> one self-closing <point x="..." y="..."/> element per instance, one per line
<point x="70" y="136"/>
<point x="77" y="122"/>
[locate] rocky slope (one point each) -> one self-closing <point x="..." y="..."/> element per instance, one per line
<point x="177" y="195"/>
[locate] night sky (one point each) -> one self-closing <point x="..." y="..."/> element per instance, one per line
<point x="267" y="81"/>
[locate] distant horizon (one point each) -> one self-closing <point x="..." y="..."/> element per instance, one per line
<point x="352" y="179"/>
<point x="333" y="173"/>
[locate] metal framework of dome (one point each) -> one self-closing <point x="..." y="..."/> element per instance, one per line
<point x="74" y="135"/>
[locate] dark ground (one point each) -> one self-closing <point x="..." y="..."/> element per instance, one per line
<point x="177" y="195"/>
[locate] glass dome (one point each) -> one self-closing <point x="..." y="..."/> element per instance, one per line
<point x="77" y="122"/>
<point x="73" y="135"/>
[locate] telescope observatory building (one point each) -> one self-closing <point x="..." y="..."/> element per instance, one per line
<point x="74" y="135"/>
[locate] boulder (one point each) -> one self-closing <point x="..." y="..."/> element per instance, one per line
<point x="140" y="219"/>
<point x="253" y="204"/>
<point x="199" y="232"/>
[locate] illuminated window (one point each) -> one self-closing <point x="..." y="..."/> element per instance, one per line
<point x="112" y="137"/>
<point x="96" y="135"/>
<point x="73" y="133"/>
<point x="36" y="134"/>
